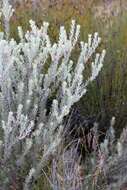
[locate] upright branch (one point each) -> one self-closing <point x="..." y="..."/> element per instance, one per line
<point x="7" y="12"/>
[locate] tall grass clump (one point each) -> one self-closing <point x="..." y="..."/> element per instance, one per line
<point x="31" y="72"/>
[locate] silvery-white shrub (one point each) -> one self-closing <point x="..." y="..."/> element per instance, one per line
<point x="32" y="71"/>
<point x="114" y="173"/>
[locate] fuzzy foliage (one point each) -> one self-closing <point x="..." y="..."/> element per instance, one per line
<point x="32" y="71"/>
